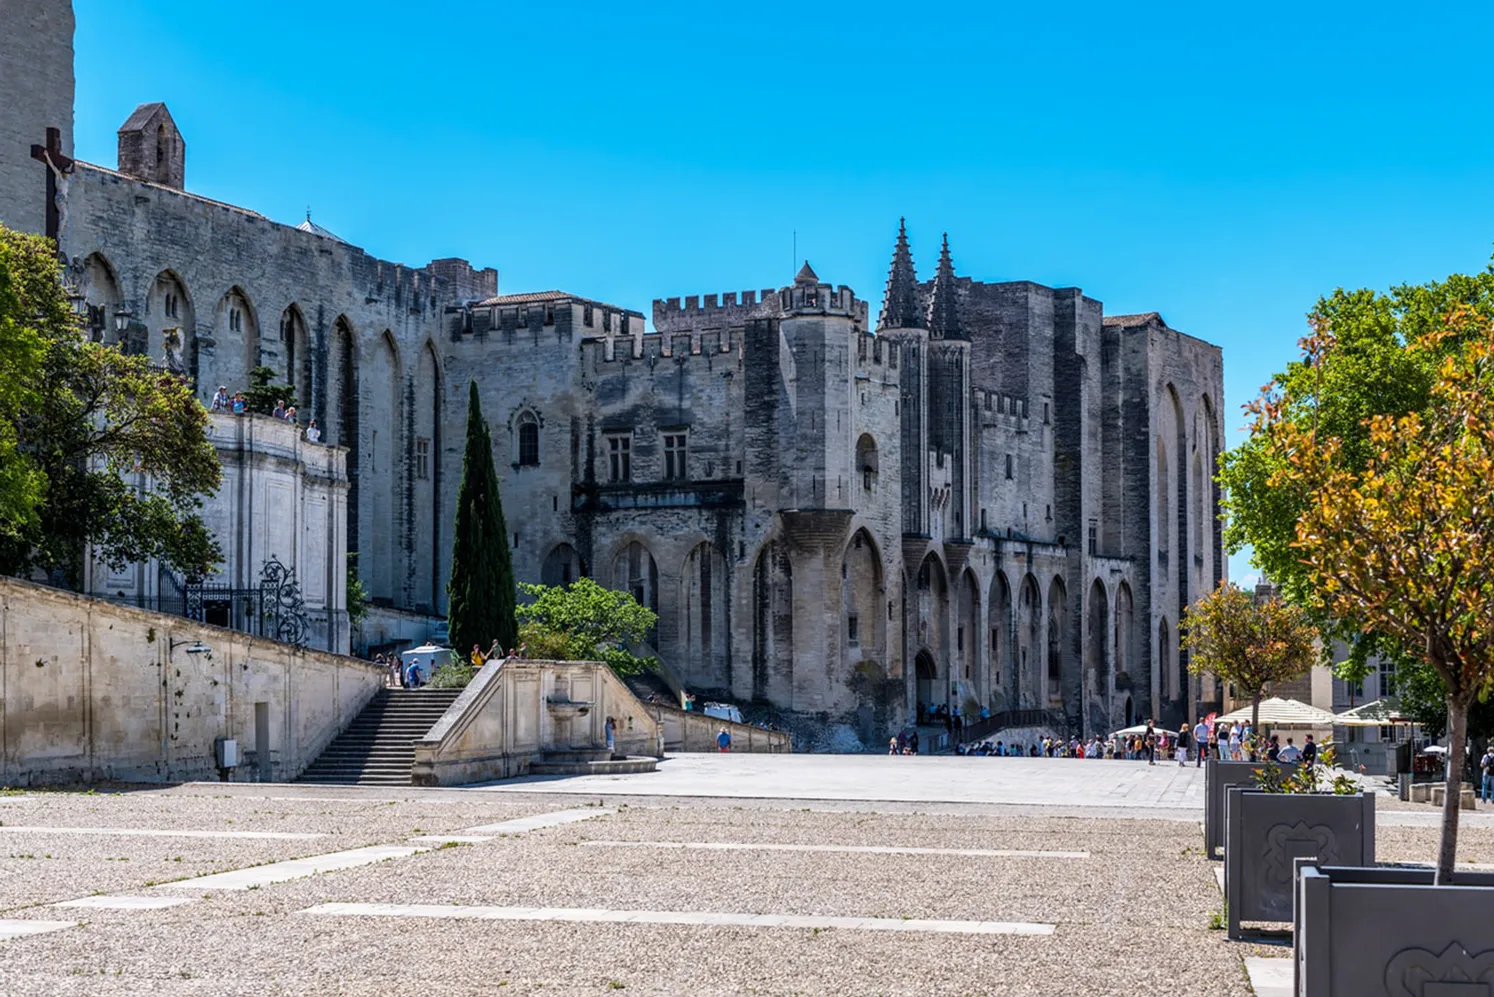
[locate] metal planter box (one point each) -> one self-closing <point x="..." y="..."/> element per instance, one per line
<point x="1362" y="932"/>
<point x="1265" y="833"/>
<point x="1218" y="777"/>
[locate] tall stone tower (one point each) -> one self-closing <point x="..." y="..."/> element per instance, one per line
<point x="36" y="84"/>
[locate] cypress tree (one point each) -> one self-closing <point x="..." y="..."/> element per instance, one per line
<point x="481" y="590"/>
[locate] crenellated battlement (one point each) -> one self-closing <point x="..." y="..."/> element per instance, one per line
<point x="875" y="353"/>
<point x="602" y="351"/>
<point x="736" y="308"/>
<point x="732" y="308"/>
<point x="996" y="407"/>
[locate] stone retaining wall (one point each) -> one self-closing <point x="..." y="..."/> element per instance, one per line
<point x="92" y="690"/>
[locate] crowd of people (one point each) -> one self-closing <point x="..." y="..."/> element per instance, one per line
<point x="239" y="405"/>
<point x="1204" y="740"/>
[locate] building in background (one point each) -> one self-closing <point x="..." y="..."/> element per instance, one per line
<point x="996" y="497"/>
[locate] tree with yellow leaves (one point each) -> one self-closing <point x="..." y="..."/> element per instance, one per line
<point x="1248" y="642"/>
<point x="1401" y="542"/>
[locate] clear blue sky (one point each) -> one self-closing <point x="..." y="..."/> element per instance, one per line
<point x="1223" y="165"/>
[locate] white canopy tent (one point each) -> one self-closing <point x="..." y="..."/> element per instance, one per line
<point x="1282" y="713"/>
<point x="1380" y="713"/>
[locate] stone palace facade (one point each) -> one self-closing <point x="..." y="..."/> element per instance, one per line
<point x="997" y="495"/>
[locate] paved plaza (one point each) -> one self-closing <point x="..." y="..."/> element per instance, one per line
<point x="796" y="874"/>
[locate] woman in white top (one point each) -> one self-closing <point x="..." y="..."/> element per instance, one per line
<point x="313" y="435"/>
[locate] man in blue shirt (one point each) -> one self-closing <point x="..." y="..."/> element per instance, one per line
<point x="723" y="740"/>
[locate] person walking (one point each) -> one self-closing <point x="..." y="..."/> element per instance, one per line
<point x="1184" y="739"/>
<point x="1310" y="752"/>
<point x="1487" y="767"/>
<point x="1290" y="753"/>
<point x="1149" y="743"/>
<point x="723" y="740"/>
<point x="1234" y="742"/>
<point x="1201" y="739"/>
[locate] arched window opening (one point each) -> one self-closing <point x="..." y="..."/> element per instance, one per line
<point x="529" y="440"/>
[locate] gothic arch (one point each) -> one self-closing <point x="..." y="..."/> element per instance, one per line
<point x="863" y="633"/>
<point x="967" y="643"/>
<point x="866" y="461"/>
<point x="703" y="625"/>
<point x="101" y="290"/>
<point x="1097" y="681"/>
<point x="524" y="430"/>
<point x="562" y="566"/>
<point x="1029" y="626"/>
<point x="339" y="424"/>
<point x="773" y="624"/>
<point x="171" y="320"/>
<point x="427" y="395"/>
<point x="1127" y="655"/>
<point x="383" y="469"/>
<point x="295" y="348"/>
<point x="1003" y="680"/>
<point x="236" y="332"/>
<point x="931" y="613"/>
<point x="1058" y="651"/>
<point x="635" y="571"/>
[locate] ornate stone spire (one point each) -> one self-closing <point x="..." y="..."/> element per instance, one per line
<point x="944" y="313"/>
<point x="806" y="275"/>
<point x="900" y="304"/>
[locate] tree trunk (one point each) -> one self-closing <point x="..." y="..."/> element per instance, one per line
<point x="1457" y="730"/>
<point x="1255" y="715"/>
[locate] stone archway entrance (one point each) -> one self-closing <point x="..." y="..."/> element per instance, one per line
<point x="928" y="678"/>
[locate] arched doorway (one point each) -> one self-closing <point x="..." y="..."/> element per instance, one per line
<point x="1058" y="604"/>
<point x="773" y="626"/>
<point x="562" y="566"/>
<point x="1096" y="664"/>
<point x="928" y="684"/>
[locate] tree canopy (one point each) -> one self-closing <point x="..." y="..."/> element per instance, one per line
<point x="1394" y="529"/>
<point x="1381" y="364"/>
<point x="1248" y="642"/>
<point x="28" y="304"/>
<point x="119" y="447"/>
<point x="481" y="591"/>
<point x="583" y="621"/>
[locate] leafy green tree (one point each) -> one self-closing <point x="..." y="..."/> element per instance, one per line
<point x="100" y="417"/>
<point x="481" y="591"/>
<point x="583" y="621"/>
<point x="1381" y="364"/>
<point x="357" y="593"/>
<point x="262" y="394"/>
<point x="1248" y="642"/>
<point x="1399" y="541"/>
<point x="31" y="299"/>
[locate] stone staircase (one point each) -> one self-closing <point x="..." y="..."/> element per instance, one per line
<point x="378" y="746"/>
<point x="589" y="761"/>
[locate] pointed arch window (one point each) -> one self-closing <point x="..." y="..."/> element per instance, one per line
<point x="529" y="439"/>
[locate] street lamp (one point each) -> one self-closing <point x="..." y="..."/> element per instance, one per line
<point x="122" y="320"/>
<point x="193" y="646"/>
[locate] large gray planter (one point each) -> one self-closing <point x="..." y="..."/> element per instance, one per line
<point x="1266" y="832"/>
<point x="1367" y="932"/>
<point x="1218" y="777"/>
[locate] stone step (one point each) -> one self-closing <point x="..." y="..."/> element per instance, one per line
<point x="611" y="766"/>
<point x="562" y="756"/>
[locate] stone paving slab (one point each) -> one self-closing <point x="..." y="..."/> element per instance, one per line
<point x="713" y="918"/>
<point x="1269" y="977"/>
<point x="933" y="779"/>
<point x="279" y="872"/>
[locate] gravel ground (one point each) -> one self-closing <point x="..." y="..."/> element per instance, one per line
<point x="1133" y="918"/>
